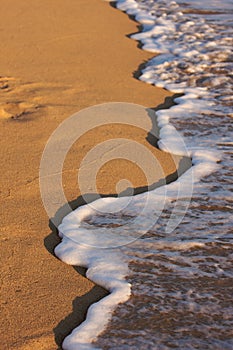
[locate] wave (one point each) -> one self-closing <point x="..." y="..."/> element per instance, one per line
<point x="100" y="248"/>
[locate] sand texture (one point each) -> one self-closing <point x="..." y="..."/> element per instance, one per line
<point x="57" y="57"/>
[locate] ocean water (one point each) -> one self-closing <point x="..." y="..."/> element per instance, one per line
<point x="169" y="275"/>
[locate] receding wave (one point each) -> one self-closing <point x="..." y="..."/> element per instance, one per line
<point x="173" y="283"/>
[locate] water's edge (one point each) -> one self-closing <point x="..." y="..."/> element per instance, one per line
<point x="96" y="261"/>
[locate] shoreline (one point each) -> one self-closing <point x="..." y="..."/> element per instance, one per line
<point x="46" y="86"/>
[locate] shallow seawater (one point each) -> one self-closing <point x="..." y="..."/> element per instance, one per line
<point x="182" y="282"/>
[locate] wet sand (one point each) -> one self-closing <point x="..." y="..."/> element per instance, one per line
<point x="57" y="58"/>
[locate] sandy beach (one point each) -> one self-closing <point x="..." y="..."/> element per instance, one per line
<point x="58" y="58"/>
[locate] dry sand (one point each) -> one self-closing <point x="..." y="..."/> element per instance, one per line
<point x="57" y="57"/>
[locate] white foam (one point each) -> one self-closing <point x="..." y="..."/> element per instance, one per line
<point x="106" y="266"/>
<point x="84" y="244"/>
<point x="109" y="275"/>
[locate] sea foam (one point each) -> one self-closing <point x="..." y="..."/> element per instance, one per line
<point x="102" y="250"/>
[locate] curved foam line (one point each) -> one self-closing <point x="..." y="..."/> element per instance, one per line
<point x="97" y="261"/>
